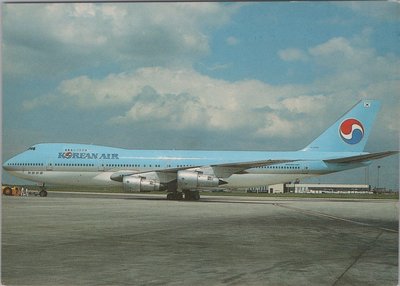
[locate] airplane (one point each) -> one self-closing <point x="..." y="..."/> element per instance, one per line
<point x="182" y="174"/>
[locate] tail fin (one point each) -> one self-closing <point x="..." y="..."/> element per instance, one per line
<point x="350" y="133"/>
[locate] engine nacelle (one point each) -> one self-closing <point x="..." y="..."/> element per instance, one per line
<point x="195" y="180"/>
<point x="140" y="184"/>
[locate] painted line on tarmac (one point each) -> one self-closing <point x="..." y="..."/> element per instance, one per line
<point x="358" y="257"/>
<point x="319" y="214"/>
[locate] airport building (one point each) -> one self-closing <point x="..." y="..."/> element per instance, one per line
<point x="328" y="189"/>
<point x="272" y="189"/>
<point x="313" y="189"/>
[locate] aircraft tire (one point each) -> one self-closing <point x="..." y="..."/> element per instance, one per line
<point x="192" y="196"/>
<point x="196" y="196"/>
<point x="43" y="193"/>
<point x="188" y="195"/>
<point x="174" y="196"/>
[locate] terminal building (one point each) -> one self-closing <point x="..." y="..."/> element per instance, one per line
<point x="328" y="189"/>
<point x="313" y="189"/>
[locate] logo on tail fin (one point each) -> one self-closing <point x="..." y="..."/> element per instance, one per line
<point x="351" y="130"/>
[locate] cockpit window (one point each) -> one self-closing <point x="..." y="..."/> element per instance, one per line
<point x="32" y="148"/>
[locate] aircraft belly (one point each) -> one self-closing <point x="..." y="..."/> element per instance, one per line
<point x="256" y="180"/>
<point x="69" y="178"/>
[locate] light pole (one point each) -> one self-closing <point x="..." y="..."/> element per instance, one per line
<point x="378" y="177"/>
<point x="367" y="175"/>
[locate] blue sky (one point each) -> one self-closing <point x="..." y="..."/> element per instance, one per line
<point x="222" y="76"/>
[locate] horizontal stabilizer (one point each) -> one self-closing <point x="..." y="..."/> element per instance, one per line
<point x="362" y="158"/>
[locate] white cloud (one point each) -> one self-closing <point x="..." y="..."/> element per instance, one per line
<point x="277" y="126"/>
<point x="181" y="98"/>
<point x="49" y="38"/>
<point x="179" y="111"/>
<point x="387" y="11"/>
<point x="184" y="99"/>
<point x="291" y="54"/>
<point x="305" y="104"/>
<point x="84" y="10"/>
<point x="354" y="71"/>
<point x="333" y="46"/>
<point x="341" y="53"/>
<point x="157" y="45"/>
<point x="232" y="41"/>
<point x="219" y="66"/>
<point x="352" y="63"/>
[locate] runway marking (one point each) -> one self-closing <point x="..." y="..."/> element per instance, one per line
<point x="368" y="247"/>
<point x="320" y="214"/>
<point x="357" y="258"/>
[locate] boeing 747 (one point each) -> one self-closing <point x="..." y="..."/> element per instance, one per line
<point x="183" y="173"/>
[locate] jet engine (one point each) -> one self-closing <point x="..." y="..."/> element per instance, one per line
<point x="194" y="180"/>
<point x="141" y="184"/>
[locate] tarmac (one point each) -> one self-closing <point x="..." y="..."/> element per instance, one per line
<point x="123" y="239"/>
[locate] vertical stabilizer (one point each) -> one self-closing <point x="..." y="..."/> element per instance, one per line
<point x="350" y="133"/>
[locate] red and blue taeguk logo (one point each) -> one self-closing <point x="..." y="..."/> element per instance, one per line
<point x="351" y="130"/>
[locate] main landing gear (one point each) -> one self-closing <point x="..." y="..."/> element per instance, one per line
<point x="175" y="196"/>
<point x="189" y="195"/>
<point x="42" y="192"/>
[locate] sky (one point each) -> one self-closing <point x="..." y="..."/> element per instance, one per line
<point x="200" y="76"/>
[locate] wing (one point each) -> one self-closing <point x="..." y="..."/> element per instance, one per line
<point x="224" y="170"/>
<point x="227" y="169"/>
<point x="361" y="158"/>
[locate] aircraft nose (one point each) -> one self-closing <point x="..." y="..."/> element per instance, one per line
<point x="7" y="165"/>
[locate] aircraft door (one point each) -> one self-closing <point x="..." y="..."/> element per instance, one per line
<point x="49" y="166"/>
<point x="304" y="168"/>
